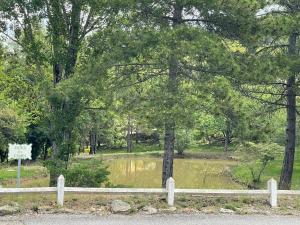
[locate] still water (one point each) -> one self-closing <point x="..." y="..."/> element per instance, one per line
<point x="188" y="173"/>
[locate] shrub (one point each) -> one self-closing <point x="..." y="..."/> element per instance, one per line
<point x="182" y="141"/>
<point x="55" y="167"/>
<point x="255" y="158"/>
<point x="86" y="175"/>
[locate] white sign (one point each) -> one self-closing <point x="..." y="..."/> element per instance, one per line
<point x="16" y="151"/>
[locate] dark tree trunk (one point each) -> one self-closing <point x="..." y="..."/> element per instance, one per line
<point x="129" y="135"/>
<point x="136" y="135"/>
<point x="172" y="89"/>
<point x="226" y="142"/>
<point x="45" y="155"/>
<point x="93" y="142"/>
<point x="227" y="137"/>
<point x="169" y="151"/>
<point x="288" y="161"/>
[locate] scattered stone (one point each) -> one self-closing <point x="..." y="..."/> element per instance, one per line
<point x="167" y="210"/>
<point x="66" y="210"/>
<point x="208" y="210"/>
<point x="172" y="209"/>
<point x="45" y="208"/>
<point x="9" y="209"/>
<point x="92" y="209"/>
<point x="119" y="206"/>
<point x="229" y="211"/>
<point x="150" y="210"/>
<point x="189" y="210"/>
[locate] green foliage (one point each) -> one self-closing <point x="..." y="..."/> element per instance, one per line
<point x="55" y="167"/>
<point x="39" y="140"/>
<point x="182" y="141"/>
<point x="92" y="174"/>
<point x="256" y="157"/>
<point x="212" y="72"/>
<point x="12" y="129"/>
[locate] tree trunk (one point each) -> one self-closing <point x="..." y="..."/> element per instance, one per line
<point x="129" y="135"/>
<point x="226" y="142"/>
<point x="172" y="89"/>
<point x="45" y="152"/>
<point x="136" y="135"/>
<point x="168" y="151"/>
<point x="93" y="141"/>
<point x="227" y="136"/>
<point x="288" y="161"/>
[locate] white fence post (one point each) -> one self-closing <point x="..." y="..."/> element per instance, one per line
<point x="170" y="188"/>
<point x="272" y="187"/>
<point x="60" y="190"/>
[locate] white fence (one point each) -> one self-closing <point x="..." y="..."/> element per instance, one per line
<point x="170" y="190"/>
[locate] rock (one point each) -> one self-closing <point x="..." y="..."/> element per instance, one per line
<point x="150" y="210"/>
<point x="66" y="210"/>
<point x="189" y="210"/>
<point x="119" y="206"/>
<point x="168" y="210"/>
<point x="222" y="210"/>
<point x="208" y="210"/>
<point x="9" y="209"/>
<point x="92" y="209"/>
<point x="172" y="209"/>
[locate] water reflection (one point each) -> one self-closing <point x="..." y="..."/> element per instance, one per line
<point x="188" y="173"/>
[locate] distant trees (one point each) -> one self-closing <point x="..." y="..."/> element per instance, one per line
<point x="97" y="72"/>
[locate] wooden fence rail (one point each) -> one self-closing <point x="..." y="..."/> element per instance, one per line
<point x="170" y="190"/>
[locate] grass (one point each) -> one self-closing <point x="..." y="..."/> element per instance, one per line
<point x="137" y="148"/>
<point x="26" y="172"/>
<point x="273" y="170"/>
<point x="31" y="176"/>
<point x="100" y="203"/>
<point x="36" y="175"/>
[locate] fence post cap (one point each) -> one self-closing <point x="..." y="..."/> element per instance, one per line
<point x="61" y="177"/>
<point x="170" y="179"/>
<point x="272" y="180"/>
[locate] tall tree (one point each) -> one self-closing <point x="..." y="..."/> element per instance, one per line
<point x="67" y="23"/>
<point x="193" y="47"/>
<point x="278" y="45"/>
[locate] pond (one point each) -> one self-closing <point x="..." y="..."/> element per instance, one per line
<point x="145" y="172"/>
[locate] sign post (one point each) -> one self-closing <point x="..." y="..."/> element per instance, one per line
<point x="19" y="152"/>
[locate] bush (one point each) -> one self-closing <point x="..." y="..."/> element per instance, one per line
<point x="182" y="141"/>
<point x="86" y="175"/>
<point x="55" y="167"/>
<point x="255" y="158"/>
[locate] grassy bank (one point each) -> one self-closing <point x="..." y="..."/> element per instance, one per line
<point x="34" y="174"/>
<point x="273" y="170"/>
<point x="100" y="204"/>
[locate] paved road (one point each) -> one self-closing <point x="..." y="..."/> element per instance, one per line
<point x="151" y="220"/>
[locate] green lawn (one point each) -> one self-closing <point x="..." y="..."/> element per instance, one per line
<point x="273" y="170"/>
<point x="137" y="148"/>
<point x="26" y="171"/>
<point x="36" y="175"/>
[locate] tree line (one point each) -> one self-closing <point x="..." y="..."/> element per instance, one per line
<point x="76" y="71"/>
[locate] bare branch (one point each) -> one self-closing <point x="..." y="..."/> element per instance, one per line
<point x="271" y="47"/>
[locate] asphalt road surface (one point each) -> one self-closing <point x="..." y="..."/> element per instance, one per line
<point x="150" y="220"/>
